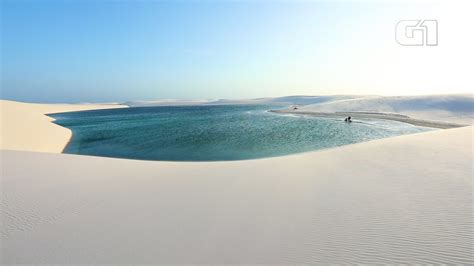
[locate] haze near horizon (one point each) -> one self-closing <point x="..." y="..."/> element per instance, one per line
<point x="111" y="51"/>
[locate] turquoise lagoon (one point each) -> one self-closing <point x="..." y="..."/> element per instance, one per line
<point x="213" y="133"/>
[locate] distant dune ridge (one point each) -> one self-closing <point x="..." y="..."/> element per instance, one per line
<point x="455" y="108"/>
<point x="291" y="100"/>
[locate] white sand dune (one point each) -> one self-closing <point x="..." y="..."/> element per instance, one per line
<point x="25" y="126"/>
<point x="288" y="100"/>
<point x="406" y="199"/>
<point x="456" y="108"/>
<point x="173" y="102"/>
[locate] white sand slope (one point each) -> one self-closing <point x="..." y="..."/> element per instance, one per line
<point x="25" y="126"/>
<point x="455" y="108"/>
<point x="406" y="199"/>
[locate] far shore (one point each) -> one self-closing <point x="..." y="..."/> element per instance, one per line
<point x="373" y="115"/>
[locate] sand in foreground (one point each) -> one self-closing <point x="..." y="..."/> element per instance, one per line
<point x="406" y="199"/>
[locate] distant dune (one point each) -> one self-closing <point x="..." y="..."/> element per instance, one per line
<point x="163" y="102"/>
<point x="286" y="100"/>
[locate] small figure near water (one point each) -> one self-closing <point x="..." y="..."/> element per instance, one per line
<point x="348" y="119"/>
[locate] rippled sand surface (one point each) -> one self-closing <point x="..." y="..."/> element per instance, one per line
<point x="404" y="200"/>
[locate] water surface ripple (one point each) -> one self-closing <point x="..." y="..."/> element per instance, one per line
<point x="213" y="133"/>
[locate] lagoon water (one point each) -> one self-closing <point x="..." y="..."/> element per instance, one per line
<point x="213" y="133"/>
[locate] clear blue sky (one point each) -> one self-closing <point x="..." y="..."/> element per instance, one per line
<point x="90" y="51"/>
